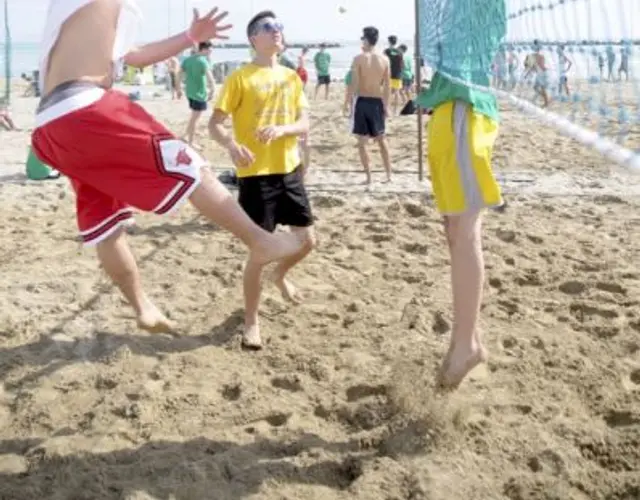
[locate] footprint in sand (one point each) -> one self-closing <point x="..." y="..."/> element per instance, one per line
<point x="288" y="383"/>
<point x="614" y="288"/>
<point x="573" y="287"/>
<point x="232" y="392"/>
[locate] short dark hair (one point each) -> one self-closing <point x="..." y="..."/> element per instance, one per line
<point x="370" y="34"/>
<point x="256" y="19"/>
<point x="392" y="39"/>
<point x="403" y="48"/>
<point x="205" y="45"/>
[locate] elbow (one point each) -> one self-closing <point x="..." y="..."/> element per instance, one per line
<point x="133" y="59"/>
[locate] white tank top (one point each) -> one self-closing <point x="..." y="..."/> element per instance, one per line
<point x="61" y="10"/>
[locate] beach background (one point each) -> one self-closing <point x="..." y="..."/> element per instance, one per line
<point x="340" y="403"/>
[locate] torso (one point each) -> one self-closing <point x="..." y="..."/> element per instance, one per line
<point x="372" y="70"/>
<point x="84" y="49"/>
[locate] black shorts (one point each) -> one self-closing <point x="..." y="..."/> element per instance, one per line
<point x="368" y="117"/>
<point x="279" y="199"/>
<point x="324" y="80"/>
<point x="197" y="105"/>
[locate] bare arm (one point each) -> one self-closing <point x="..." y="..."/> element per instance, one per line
<point x="155" y="52"/>
<point x="354" y="83"/>
<point x="386" y="87"/>
<point x="217" y="130"/>
<point x="301" y="125"/>
<point x="211" y="82"/>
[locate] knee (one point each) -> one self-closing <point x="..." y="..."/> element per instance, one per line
<point x="310" y="240"/>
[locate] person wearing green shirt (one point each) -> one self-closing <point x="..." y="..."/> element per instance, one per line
<point x="461" y="133"/>
<point x="407" y="73"/>
<point x="199" y="84"/>
<point x="322" y="61"/>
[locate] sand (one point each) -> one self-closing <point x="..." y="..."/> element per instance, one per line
<point x="340" y="402"/>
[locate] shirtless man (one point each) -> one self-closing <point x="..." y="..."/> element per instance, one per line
<point x="173" y="69"/>
<point x="541" y="83"/>
<point x="116" y="155"/>
<point x="370" y="80"/>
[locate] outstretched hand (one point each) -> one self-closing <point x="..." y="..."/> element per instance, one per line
<point x="208" y="27"/>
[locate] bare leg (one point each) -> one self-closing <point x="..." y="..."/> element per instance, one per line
<point x="119" y="263"/>
<point x="364" y="156"/>
<point x="216" y="203"/>
<point x="191" y="126"/>
<point x="467" y="277"/>
<point x="326" y="91"/>
<point x="384" y="152"/>
<point x="308" y="237"/>
<point x="252" y="286"/>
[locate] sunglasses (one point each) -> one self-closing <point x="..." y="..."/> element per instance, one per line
<point x="269" y="27"/>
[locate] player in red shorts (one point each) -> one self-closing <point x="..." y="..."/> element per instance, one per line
<point x="116" y="155"/>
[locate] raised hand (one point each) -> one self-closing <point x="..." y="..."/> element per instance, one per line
<point x="208" y="27"/>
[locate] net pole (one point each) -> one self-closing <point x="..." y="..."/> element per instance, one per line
<point x="418" y="67"/>
<point x="7" y="53"/>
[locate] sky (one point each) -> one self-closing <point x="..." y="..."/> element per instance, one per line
<point x="307" y="21"/>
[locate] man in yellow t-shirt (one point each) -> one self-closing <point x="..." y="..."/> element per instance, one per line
<point x="268" y="107"/>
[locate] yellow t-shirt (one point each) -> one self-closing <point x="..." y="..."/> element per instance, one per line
<point x="257" y="97"/>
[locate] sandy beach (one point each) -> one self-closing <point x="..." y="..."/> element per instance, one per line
<point x="339" y="404"/>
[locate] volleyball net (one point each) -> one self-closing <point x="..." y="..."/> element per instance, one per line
<point x="573" y="64"/>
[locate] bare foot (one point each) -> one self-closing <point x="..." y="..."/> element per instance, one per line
<point x="458" y="363"/>
<point x="276" y="247"/>
<point x="153" y="321"/>
<point x="251" y="338"/>
<point x="287" y="289"/>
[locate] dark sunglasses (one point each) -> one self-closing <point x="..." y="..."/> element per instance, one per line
<point x="269" y="27"/>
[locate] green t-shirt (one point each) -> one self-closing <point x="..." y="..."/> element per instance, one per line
<point x="322" y="61"/>
<point x="348" y="78"/>
<point x="407" y="70"/>
<point x="443" y="89"/>
<point x="195" y="68"/>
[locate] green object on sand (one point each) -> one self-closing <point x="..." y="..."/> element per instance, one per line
<point x="38" y="171"/>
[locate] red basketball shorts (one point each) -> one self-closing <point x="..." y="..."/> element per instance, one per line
<point x="117" y="156"/>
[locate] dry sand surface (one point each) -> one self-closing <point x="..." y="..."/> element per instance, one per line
<point x="339" y="404"/>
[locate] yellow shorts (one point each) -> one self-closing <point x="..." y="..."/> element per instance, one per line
<point x="460" y="145"/>
<point x="396" y="84"/>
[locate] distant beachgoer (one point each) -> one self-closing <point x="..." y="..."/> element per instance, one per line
<point x="611" y="61"/>
<point x="541" y="83"/>
<point x="6" y="121"/>
<point x="268" y="110"/>
<point x="396" y="64"/>
<point x="302" y="66"/>
<point x="198" y="76"/>
<point x="371" y="84"/>
<point x="500" y="69"/>
<point x="512" y="68"/>
<point x="322" y="61"/>
<point x="116" y="155"/>
<point x="407" y="74"/>
<point x="564" y="65"/>
<point x="601" y="64"/>
<point x="173" y="73"/>
<point x="624" y="63"/>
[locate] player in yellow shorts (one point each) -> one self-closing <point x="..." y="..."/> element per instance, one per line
<point x="460" y="148"/>
<point x="461" y="133"/>
<point x="396" y="84"/>
<point x="396" y="67"/>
